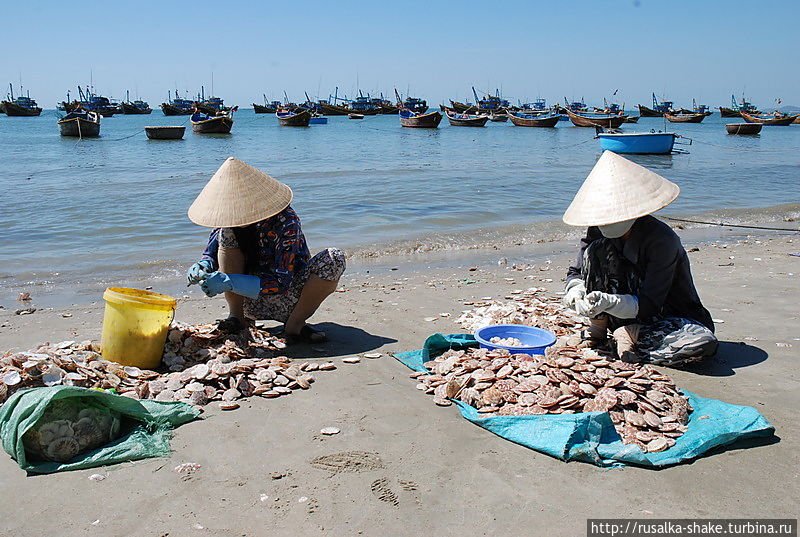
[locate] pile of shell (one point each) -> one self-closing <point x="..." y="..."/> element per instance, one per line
<point x="201" y="365"/>
<point x="646" y="407"/>
<point x="532" y="307"/>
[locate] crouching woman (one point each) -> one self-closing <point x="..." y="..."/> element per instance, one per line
<point x="632" y="276"/>
<point x="257" y="255"/>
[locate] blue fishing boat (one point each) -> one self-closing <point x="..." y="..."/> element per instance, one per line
<point x="536" y="107"/>
<point x="177" y="106"/>
<point x="637" y="143"/>
<point x="94" y="103"/>
<point x="365" y="105"/>
<point x="318" y="120"/>
<point x="658" y="110"/>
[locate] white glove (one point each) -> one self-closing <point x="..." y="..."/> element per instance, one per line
<point x="583" y="307"/>
<point x="619" y="306"/>
<point x="575" y="290"/>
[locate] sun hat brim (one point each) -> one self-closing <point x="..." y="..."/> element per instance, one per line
<point x="239" y="195"/>
<point x="617" y="190"/>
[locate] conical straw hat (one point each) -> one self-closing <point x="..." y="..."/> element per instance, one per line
<point x="239" y="195"/>
<point x="617" y="190"/>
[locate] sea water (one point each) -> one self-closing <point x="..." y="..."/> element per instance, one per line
<point x="111" y="208"/>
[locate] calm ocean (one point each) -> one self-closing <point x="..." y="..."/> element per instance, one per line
<point x="105" y="209"/>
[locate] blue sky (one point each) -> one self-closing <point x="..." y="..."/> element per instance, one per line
<point x="679" y="49"/>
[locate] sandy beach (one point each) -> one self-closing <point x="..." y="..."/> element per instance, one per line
<point x="410" y="467"/>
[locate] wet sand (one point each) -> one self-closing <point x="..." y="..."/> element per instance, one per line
<point x="409" y="467"/>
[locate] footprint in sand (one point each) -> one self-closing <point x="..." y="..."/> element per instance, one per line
<point x="410" y="486"/>
<point x="348" y="461"/>
<point x="380" y="488"/>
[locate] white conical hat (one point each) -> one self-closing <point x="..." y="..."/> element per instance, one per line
<point x="617" y="190"/>
<point x="239" y="195"/>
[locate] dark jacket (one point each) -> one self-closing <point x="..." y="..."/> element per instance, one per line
<point x="656" y="252"/>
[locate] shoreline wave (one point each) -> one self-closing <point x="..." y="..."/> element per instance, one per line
<point x="76" y="282"/>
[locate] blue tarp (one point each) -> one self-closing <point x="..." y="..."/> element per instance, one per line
<point x="590" y="436"/>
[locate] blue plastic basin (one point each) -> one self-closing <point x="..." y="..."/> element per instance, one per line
<point x="535" y="340"/>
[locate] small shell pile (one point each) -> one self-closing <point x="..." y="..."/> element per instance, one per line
<point x="532" y="307"/>
<point x="202" y="365"/>
<point x="645" y="406"/>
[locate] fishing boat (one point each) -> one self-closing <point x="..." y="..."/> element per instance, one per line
<point x="498" y="118"/>
<point x="632" y="119"/>
<point x="538" y="106"/>
<point x="737" y="108"/>
<point x="88" y="100"/>
<point x="659" y="107"/>
<point x="608" y="108"/>
<point x="317" y="119"/>
<point x="388" y="108"/>
<point x="637" y="143"/>
<point x="267" y="107"/>
<point x="420" y="106"/>
<point x="743" y="128"/>
<point x="137" y="107"/>
<point x="221" y="123"/>
<point x="595" y="120"/>
<point x="574" y="106"/>
<point x="781" y="121"/>
<point x="80" y="123"/>
<point x="466" y="120"/>
<point x="212" y="105"/>
<point x="164" y="132"/>
<point x="353" y="115"/>
<point x="412" y="119"/>
<point x="533" y="120"/>
<point x="487" y="105"/>
<point x="22" y="105"/>
<point x="685" y="118"/>
<point x="293" y="118"/>
<point x="365" y="106"/>
<point x="700" y="108"/>
<point x="330" y="109"/>
<point x="177" y="106"/>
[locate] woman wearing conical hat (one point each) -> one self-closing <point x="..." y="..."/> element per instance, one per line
<point x="632" y="275"/>
<point x="257" y="254"/>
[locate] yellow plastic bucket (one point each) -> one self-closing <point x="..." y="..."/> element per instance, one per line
<point x="135" y="326"/>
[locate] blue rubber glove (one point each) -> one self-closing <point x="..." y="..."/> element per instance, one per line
<point x="241" y="284"/>
<point x="199" y="271"/>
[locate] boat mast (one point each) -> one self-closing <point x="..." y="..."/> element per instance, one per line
<point x="11" y="87"/>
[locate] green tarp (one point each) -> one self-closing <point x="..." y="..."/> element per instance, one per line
<point x="147" y="434"/>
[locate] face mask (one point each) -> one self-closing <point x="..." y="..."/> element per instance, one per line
<point x="615" y="231"/>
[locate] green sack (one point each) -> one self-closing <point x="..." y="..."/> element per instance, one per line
<point x="145" y="426"/>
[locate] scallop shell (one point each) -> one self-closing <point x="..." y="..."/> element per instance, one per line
<point x="12" y="378"/>
<point x="231" y="394"/>
<point x="62" y="449"/>
<point x="88" y="434"/>
<point x="166" y="396"/>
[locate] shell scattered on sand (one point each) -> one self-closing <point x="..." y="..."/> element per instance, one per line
<point x="645" y="406"/>
<point x="200" y="365"/>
